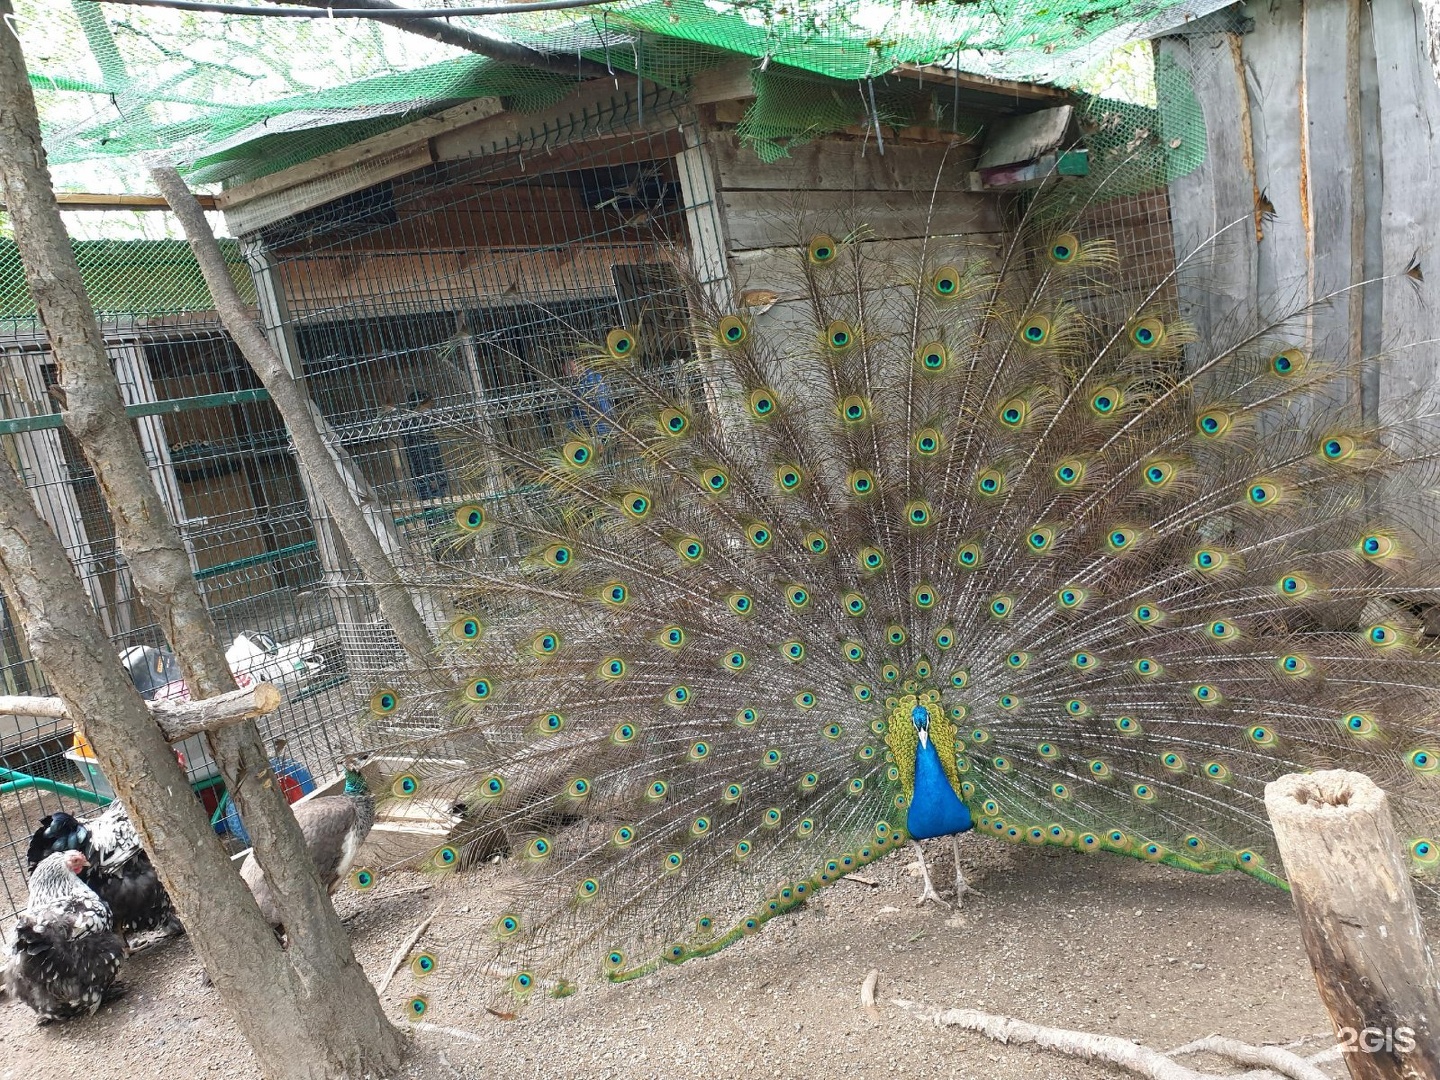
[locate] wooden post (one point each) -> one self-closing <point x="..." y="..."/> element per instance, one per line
<point x="1351" y="885"/>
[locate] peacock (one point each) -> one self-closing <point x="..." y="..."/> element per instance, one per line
<point x="903" y="541"/>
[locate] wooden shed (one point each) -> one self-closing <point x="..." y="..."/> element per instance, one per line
<point x="433" y="277"/>
<point x="1327" y="154"/>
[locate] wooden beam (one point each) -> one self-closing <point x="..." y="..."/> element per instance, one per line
<point x="729" y="82"/>
<point x="177" y="719"/>
<point x="276" y="206"/>
<point x="1350" y="881"/>
<point x="377" y="146"/>
<point x="92" y="200"/>
<point x="498" y="133"/>
<point x="983" y="84"/>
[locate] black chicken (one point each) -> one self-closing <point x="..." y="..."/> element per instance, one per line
<point x="63" y="955"/>
<point x="118" y="870"/>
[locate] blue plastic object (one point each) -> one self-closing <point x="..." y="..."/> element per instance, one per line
<point x="295" y="781"/>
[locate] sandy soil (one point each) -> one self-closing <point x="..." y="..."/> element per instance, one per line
<point x="1099" y="943"/>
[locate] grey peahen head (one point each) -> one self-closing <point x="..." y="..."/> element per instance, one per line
<point x="359" y="791"/>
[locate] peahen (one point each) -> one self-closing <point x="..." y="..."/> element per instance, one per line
<point x="898" y="549"/>
<point x="334" y="827"/>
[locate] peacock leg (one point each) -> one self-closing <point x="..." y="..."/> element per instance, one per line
<point x="961" y="885"/>
<point x="929" y="892"/>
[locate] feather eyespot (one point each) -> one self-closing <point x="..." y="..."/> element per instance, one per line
<point x="1360" y="724"/>
<point x="1423" y="761"/>
<point x="578" y="454"/>
<point x="918" y="513"/>
<point x="1147" y="333"/>
<point x="762" y="403"/>
<point x="945" y="282"/>
<point x="466" y="628"/>
<point x="990" y="482"/>
<point x="1375" y="546"/>
<point x="1106" y="401"/>
<point x="673" y="422"/>
<point x="788" y="478"/>
<point x="1035" y="330"/>
<point x="839" y="335"/>
<point x="405" y="786"/>
<point x="620" y="343"/>
<point x="861" y="482"/>
<point x="1063" y="249"/>
<point x="760" y="535"/>
<point x="470" y="517"/>
<point x="1159" y="473"/>
<point x="932" y="358"/>
<point x="854" y="410"/>
<point x="1337" y="448"/>
<point x="1287" y="362"/>
<point x="559" y="556"/>
<point x="1213" y="423"/>
<point x="731" y="331"/>
<point x="822" y="249"/>
<point x="1069" y="472"/>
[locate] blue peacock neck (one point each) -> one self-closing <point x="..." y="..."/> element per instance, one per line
<point x="922" y="741"/>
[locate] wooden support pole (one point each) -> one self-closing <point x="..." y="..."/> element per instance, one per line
<point x="178" y="720"/>
<point x="1351" y="885"/>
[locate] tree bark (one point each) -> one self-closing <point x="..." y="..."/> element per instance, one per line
<point x="395" y="600"/>
<point x="296" y="1030"/>
<point x="177" y="719"/>
<point x="1351" y="886"/>
<point x="312" y="1013"/>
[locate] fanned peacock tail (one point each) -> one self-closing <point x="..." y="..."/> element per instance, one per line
<point x="1127" y="577"/>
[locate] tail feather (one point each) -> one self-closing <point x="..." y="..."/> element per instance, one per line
<point x="1130" y="575"/>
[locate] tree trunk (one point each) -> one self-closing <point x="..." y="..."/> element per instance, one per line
<point x="315" y="1015"/>
<point x="297" y="1027"/>
<point x="395" y="601"/>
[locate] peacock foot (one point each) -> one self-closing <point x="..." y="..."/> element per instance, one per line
<point x="928" y="892"/>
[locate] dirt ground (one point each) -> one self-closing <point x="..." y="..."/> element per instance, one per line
<point x="1098" y="943"/>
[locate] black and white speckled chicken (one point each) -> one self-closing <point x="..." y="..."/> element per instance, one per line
<point x="119" y="870"/>
<point x="63" y="955"/>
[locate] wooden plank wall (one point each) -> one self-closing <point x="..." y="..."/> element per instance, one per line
<point x="835" y="185"/>
<point x="1322" y="139"/>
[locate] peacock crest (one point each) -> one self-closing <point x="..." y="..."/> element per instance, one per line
<point x="1003" y="507"/>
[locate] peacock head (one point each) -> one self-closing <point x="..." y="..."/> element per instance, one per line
<point x="920" y="717"/>
<point x="355" y="782"/>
